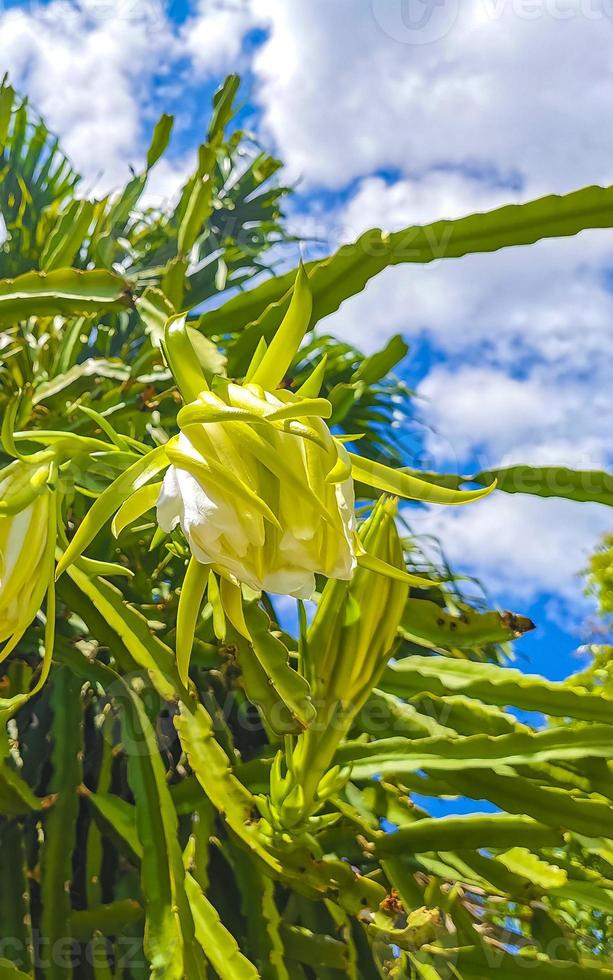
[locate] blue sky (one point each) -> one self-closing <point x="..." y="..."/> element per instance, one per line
<point x="388" y="113"/>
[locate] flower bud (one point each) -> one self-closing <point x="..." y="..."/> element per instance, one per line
<point x="261" y="489"/>
<point x="348" y="645"/>
<point x="24" y="531"/>
<point x="355" y="625"/>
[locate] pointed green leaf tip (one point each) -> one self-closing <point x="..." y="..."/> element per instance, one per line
<point x="285" y="343"/>
<point x="160" y="139"/>
<point x="313" y="384"/>
<point x="256" y="360"/>
<point x="182" y="359"/>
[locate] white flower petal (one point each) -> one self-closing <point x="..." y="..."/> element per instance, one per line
<point x="170" y="504"/>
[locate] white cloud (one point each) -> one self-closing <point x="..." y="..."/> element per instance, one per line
<point x="435" y="195"/>
<point x="213" y="37"/>
<point x="527" y="301"/>
<point x="484" y="412"/>
<point x="519" y="546"/>
<point x="91" y="68"/>
<point x="493" y="96"/>
<point x="345" y="88"/>
<point x="527" y="373"/>
<point x="88" y="70"/>
<point x="528" y="368"/>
